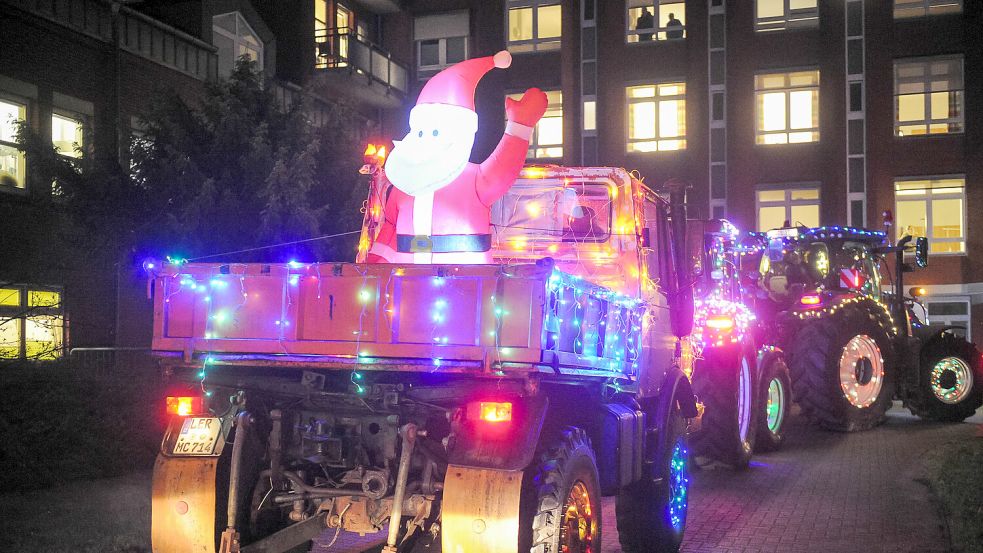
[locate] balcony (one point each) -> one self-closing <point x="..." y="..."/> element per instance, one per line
<point x="349" y="65"/>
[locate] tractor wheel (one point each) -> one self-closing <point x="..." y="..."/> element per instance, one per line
<point x="723" y="381"/>
<point x="651" y="513"/>
<point x="949" y="386"/>
<point x="840" y="370"/>
<point x="564" y="498"/>
<point x="773" y="405"/>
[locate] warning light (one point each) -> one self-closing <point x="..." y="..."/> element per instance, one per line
<point x="381" y="154"/>
<point x="916" y="292"/>
<point x="370" y="150"/>
<point x="490" y="411"/>
<point x="810" y="299"/>
<point x="183" y="406"/>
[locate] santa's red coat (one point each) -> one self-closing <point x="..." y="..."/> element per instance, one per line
<point x="460" y="207"/>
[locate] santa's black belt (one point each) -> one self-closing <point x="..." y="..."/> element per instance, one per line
<point x="445" y="243"/>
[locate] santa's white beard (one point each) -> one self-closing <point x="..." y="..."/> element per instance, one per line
<point x="420" y="166"/>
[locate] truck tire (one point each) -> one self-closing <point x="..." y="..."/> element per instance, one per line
<point x="840" y="368"/>
<point x="949" y="387"/>
<point x="651" y="513"/>
<point x="774" y="403"/>
<point x="723" y="380"/>
<point x="565" y="497"/>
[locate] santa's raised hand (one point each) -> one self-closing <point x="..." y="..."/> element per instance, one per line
<point x="439" y="209"/>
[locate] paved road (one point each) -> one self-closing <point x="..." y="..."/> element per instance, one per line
<point x="824" y="492"/>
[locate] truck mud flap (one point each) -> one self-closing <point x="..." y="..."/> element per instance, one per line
<point x="183" y="504"/>
<point x="480" y="510"/>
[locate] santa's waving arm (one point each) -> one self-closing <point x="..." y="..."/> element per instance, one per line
<point x="500" y="170"/>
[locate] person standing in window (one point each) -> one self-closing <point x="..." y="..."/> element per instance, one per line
<point x="645" y="21"/>
<point x="674" y="27"/>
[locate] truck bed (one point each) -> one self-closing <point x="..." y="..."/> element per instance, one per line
<point x="482" y="319"/>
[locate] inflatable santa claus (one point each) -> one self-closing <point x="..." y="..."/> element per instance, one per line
<point x="438" y="210"/>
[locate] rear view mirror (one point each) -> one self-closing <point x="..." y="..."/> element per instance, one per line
<point x="921" y="251"/>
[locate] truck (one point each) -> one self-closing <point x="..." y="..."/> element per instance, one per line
<point x="739" y="375"/>
<point x="855" y="344"/>
<point x="465" y="408"/>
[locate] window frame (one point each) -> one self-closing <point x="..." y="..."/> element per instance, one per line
<point x="965" y="319"/>
<point x="536" y="43"/>
<point x="928" y="198"/>
<point x="786" y="19"/>
<point x="926" y="80"/>
<point x="237" y="39"/>
<point x="657" y="30"/>
<point x="83" y="126"/>
<point x="788" y="203"/>
<point x="21" y="313"/>
<point x="925" y="6"/>
<point x="26" y="103"/>
<point x="656" y="99"/>
<point x="441" y="54"/>
<point x="787" y="89"/>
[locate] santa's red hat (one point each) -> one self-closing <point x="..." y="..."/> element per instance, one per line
<point x="455" y="85"/>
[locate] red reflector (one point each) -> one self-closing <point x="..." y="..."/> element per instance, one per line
<point x="183" y="406"/>
<point x="490" y="411"/>
<point x="720" y="322"/>
<point x="811" y="299"/>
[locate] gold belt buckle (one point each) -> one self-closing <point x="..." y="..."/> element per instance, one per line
<point x="421" y="243"/>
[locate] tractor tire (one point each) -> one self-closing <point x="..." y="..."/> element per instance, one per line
<point x="841" y="370"/>
<point x="723" y="380"/>
<point x="562" y="496"/>
<point x="949" y="384"/>
<point x="651" y="513"/>
<point x="774" y="403"/>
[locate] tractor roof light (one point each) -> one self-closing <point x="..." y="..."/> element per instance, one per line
<point x="811" y="300"/>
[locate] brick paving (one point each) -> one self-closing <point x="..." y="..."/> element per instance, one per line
<point x="823" y="492"/>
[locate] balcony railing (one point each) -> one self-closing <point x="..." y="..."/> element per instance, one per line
<point x="343" y="48"/>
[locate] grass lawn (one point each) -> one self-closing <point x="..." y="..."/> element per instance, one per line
<point x="956" y="476"/>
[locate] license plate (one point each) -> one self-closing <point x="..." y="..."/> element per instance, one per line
<point x="198" y="436"/>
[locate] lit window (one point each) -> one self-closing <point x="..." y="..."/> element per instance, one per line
<point x="234" y="38"/>
<point x="533" y="25"/>
<point x="919" y="8"/>
<point x="779" y="15"/>
<point x="31" y="323"/>
<point x="441" y="40"/>
<point x="66" y="135"/>
<point x="649" y="20"/>
<point x="797" y="206"/>
<point x="657" y="117"/>
<point x="933" y="207"/>
<point x="546" y="141"/>
<point x="928" y="96"/>
<point x="11" y="157"/>
<point x="787" y="106"/>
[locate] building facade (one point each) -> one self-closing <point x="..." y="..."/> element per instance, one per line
<point x="819" y="112"/>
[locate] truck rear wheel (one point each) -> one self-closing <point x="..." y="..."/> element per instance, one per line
<point x="949" y="390"/>
<point x="565" y="497"/>
<point x="723" y="381"/>
<point x="839" y="371"/>
<point x="774" y="402"/>
<point x="651" y="513"/>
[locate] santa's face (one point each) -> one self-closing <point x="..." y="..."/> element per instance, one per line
<point x="435" y="151"/>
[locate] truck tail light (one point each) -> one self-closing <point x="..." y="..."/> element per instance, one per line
<point x="720" y="322"/>
<point x="490" y="411"/>
<point x="810" y="299"/>
<point x="184" y="406"/>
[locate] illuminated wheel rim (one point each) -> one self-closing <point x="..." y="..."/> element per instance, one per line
<point x="861" y="371"/>
<point x="678" y="486"/>
<point x="744" y="401"/>
<point x="579" y="524"/>
<point x="951" y="380"/>
<point x="775" y="409"/>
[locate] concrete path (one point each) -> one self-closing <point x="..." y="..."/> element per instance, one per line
<point x="823" y="493"/>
